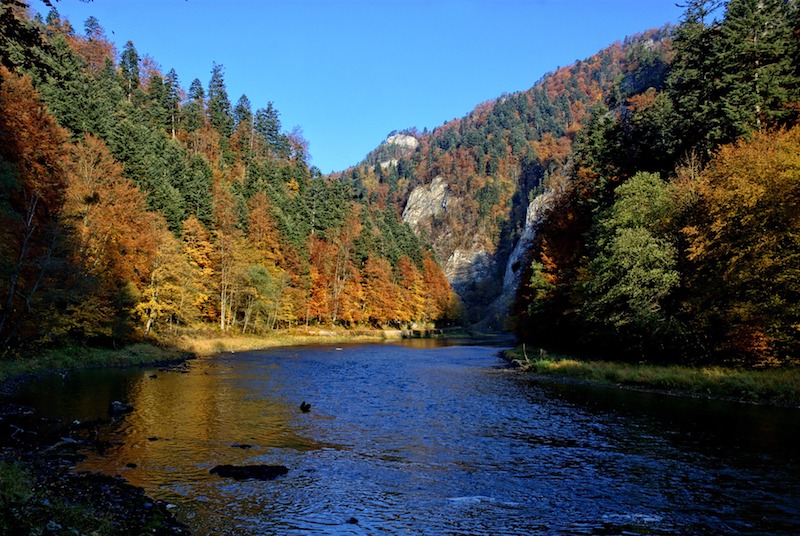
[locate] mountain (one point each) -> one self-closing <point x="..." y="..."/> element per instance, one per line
<point x="466" y="187"/>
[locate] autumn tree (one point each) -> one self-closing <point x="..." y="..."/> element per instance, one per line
<point x="171" y="296"/>
<point x="32" y="181"/>
<point x="745" y="248"/>
<point x="117" y="241"/>
<point x="199" y="250"/>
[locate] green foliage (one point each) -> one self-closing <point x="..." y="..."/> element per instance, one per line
<point x="697" y="268"/>
<point x="219" y="106"/>
<point x="129" y="69"/>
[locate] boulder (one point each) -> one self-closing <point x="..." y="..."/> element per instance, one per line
<point x="120" y="408"/>
<point x="244" y="472"/>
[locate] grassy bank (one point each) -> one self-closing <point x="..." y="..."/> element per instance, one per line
<point x="208" y="343"/>
<point x="200" y="343"/>
<point x="780" y="387"/>
<point x="72" y="357"/>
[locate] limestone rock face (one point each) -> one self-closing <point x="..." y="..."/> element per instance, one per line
<point x="499" y="310"/>
<point x="467" y="267"/>
<point x="404" y="140"/>
<point x="533" y="216"/>
<point x="425" y="202"/>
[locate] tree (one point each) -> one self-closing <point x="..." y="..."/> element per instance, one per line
<point x="117" y="239"/>
<point x="745" y="249"/>
<point x="171" y="296"/>
<point x="243" y="126"/>
<point x="694" y="82"/>
<point x="758" y="75"/>
<point x="194" y="110"/>
<point x="219" y="106"/>
<point x="268" y="125"/>
<point x="33" y="175"/>
<point x="129" y="69"/>
<point x="173" y="100"/>
<point x="199" y="250"/>
<point x="381" y="294"/>
<point x="634" y="269"/>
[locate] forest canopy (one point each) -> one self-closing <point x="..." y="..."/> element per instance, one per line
<point x="675" y="233"/>
<point x="131" y="205"/>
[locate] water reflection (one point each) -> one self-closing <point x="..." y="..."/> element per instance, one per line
<point x="414" y="439"/>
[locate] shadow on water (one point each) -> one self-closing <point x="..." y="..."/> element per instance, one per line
<point x="432" y="437"/>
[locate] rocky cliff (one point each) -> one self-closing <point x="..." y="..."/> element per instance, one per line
<point x="471" y="186"/>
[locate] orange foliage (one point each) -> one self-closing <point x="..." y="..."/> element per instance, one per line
<point x="745" y="242"/>
<point x="381" y="294"/>
<point x="95" y="51"/>
<point x="32" y="162"/>
<point x="262" y="232"/>
<point x="118" y="237"/>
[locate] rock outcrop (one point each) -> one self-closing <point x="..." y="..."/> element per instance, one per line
<point x="426" y="202"/>
<point x="512" y="277"/>
<point x="404" y="140"/>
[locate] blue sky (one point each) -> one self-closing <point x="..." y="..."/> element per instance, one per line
<point x="350" y="71"/>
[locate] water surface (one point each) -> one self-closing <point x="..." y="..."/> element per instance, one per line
<point x="428" y="439"/>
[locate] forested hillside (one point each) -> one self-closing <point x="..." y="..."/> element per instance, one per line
<point x="130" y="205"/>
<point x="670" y="166"/>
<point x="676" y="231"/>
<point x="500" y="156"/>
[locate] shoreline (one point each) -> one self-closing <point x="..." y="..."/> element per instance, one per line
<point x="778" y="388"/>
<point x="167" y="351"/>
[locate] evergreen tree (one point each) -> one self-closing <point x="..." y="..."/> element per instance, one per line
<point x="268" y="125"/>
<point x="173" y="99"/>
<point x="242" y="113"/>
<point x="758" y="75"/>
<point x="129" y="69"/>
<point x="219" y="106"/>
<point x="194" y="110"/>
<point x="196" y="91"/>
<point x="158" y="103"/>
<point x="92" y="28"/>
<point x="196" y="189"/>
<point x="694" y="82"/>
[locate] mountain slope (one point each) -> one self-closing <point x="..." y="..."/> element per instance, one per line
<point x="466" y="185"/>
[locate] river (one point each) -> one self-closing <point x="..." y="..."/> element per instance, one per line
<point x="429" y="438"/>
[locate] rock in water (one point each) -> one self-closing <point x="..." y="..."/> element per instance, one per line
<point x="243" y="472"/>
<point x="120" y="408"/>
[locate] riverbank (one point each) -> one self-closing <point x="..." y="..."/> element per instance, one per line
<point x="41" y="494"/>
<point x="173" y="349"/>
<point x="776" y="387"/>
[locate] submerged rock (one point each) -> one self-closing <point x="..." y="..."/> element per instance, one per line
<point x="243" y="472"/>
<point x="120" y="408"/>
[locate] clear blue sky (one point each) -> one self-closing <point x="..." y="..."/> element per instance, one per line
<point x="350" y="71"/>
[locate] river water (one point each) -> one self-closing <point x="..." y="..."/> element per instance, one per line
<point x="426" y="438"/>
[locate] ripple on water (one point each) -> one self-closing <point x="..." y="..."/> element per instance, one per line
<point x="409" y="440"/>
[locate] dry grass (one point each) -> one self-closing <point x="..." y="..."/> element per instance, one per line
<point x="200" y="343"/>
<point x="203" y="344"/>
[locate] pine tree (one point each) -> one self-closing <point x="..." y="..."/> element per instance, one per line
<point x="268" y="125"/>
<point x="173" y="99"/>
<point x="758" y="72"/>
<point x="194" y="110"/>
<point x="695" y="77"/>
<point x="129" y="69"/>
<point x="219" y="106"/>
